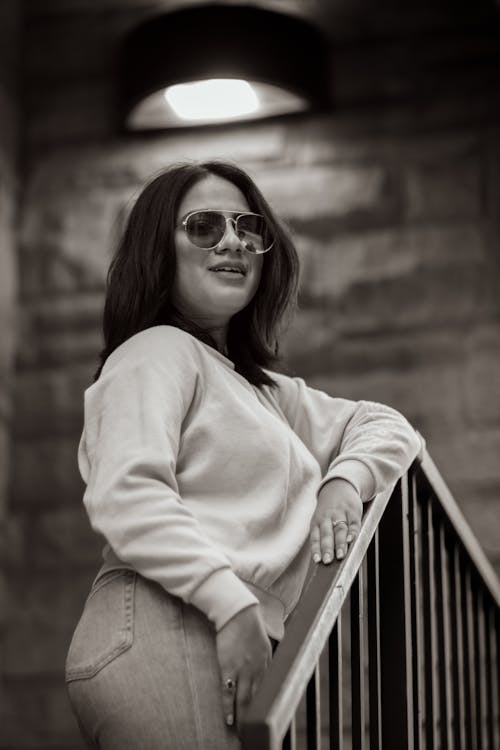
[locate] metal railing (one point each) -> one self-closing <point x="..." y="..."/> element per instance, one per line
<point x="417" y="665"/>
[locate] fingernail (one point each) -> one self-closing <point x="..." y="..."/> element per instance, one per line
<point x="340" y="554"/>
<point x="349" y="539"/>
<point x="327" y="558"/>
<point x="316" y="557"/>
<point x="230" y="720"/>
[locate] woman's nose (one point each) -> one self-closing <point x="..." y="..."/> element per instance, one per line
<point x="230" y="240"/>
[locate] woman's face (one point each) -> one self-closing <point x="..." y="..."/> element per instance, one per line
<point x="204" y="295"/>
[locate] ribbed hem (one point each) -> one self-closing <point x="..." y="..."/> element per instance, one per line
<point x="221" y="596"/>
<point x="357" y="474"/>
<point x="273" y="611"/>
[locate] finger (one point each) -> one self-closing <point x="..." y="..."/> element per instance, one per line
<point x="228" y="702"/>
<point x="243" y="697"/>
<point x="315" y="545"/>
<point x="354" y="529"/>
<point x="340" y="534"/>
<point x="326" y="541"/>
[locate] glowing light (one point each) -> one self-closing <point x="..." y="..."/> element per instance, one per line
<point x="213" y="99"/>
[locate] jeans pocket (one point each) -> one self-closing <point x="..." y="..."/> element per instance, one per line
<point x="106" y="627"/>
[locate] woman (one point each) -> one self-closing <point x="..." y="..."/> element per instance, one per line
<point x="211" y="477"/>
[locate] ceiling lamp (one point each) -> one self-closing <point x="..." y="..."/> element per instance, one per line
<point x="213" y="64"/>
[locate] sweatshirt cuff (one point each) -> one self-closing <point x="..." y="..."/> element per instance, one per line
<point x="221" y="596"/>
<point x="356" y="473"/>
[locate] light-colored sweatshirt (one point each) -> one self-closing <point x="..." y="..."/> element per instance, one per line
<point x="207" y="484"/>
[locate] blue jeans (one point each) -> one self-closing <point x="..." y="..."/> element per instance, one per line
<point x="142" y="671"/>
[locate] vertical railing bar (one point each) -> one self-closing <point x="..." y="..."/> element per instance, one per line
<point x="395" y="622"/>
<point x="488" y="667"/>
<point x="290" y="741"/>
<point x="313" y="711"/>
<point x="287" y="739"/>
<point x="429" y="599"/>
<point x="357" y="663"/>
<point x="415" y="532"/>
<point x="443" y="637"/>
<point x="495" y="693"/>
<point x="374" y="645"/>
<point x="479" y="666"/>
<point x="440" y="656"/>
<point x="335" y="683"/>
<point x="407" y="586"/>
<point x="469" y="687"/>
<point x="457" y="662"/>
<point x="461" y="625"/>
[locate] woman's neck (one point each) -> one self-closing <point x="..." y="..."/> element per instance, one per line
<point x="219" y="334"/>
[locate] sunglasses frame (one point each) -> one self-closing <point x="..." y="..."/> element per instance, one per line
<point x="233" y="219"/>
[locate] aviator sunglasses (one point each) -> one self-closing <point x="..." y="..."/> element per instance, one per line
<point x="206" y="229"/>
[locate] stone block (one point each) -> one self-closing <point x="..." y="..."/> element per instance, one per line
<point x="66" y="313"/>
<point x="444" y="190"/>
<point x="460" y="296"/>
<point x="337" y="263"/>
<point x="320" y="139"/>
<point x="70" y="111"/>
<point x="68" y="347"/>
<point x="314" y="345"/>
<point x="338" y="192"/>
<point x="62" y="349"/>
<point x="86" y="40"/>
<point x="481" y="376"/>
<point x="48" y="605"/>
<point x="13" y="542"/>
<point x="61" y="331"/>
<point x="9" y="124"/>
<point x="37" y="714"/>
<point x="3" y="600"/>
<point x="74" y="235"/>
<point x="49" y="271"/>
<point x="50" y="402"/>
<point x="62" y="539"/>
<point x="467" y="456"/>
<point x="309" y="339"/>
<point x="481" y="508"/>
<point x="5" y="451"/>
<point x="9" y="33"/>
<point x="8" y="269"/>
<point x="428" y="397"/>
<point x="45" y="473"/>
<point x="402" y="279"/>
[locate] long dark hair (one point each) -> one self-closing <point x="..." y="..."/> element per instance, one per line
<point x="141" y="274"/>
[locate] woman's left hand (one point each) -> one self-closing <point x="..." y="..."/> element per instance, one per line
<point x="336" y="521"/>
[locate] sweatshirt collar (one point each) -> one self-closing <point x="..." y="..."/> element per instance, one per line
<point x="216" y="353"/>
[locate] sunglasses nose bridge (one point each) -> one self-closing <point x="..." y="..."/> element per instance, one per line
<point x="230" y="237"/>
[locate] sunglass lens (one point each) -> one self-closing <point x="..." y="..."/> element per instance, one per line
<point x="253" y="233"/>
<point x="206" y="228"/>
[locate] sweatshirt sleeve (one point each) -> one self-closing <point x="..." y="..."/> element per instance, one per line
<point x="128" y="453"/>
<point x="366" y="443"/>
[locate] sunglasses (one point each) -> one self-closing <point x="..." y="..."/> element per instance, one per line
<point x="206" y="229"/>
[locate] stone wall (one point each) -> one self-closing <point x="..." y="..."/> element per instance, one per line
<point x="8" y="197"/>
<point x="393" y="202"/>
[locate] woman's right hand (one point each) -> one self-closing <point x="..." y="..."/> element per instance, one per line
<point x="244" y="652"/>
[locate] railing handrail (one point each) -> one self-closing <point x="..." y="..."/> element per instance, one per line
<point x="310" y="625"/>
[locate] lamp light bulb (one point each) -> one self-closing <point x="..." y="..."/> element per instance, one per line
<point x="212" y="99"/>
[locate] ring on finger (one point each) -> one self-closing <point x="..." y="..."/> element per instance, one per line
<point x="340" y="522"/>
<point x="230" y="684"/>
